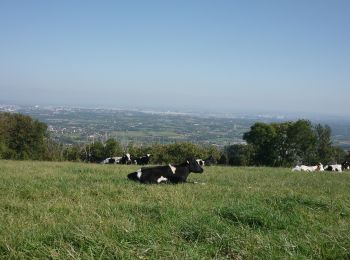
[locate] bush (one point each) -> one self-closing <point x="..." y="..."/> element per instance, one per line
<point x="22" y="137"/>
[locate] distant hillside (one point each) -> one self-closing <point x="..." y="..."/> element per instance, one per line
<point x="80" y="125"/>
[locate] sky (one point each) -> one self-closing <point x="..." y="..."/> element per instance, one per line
<point x="225" y="55"/>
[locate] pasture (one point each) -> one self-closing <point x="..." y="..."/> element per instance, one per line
<point x="75" y="210"/>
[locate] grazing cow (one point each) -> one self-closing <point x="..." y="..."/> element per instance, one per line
<point x="143" y="160"/>
<point x="304" y="168"/>
<point x="345" y="166"/>
<point x="333" y="168"/>
<point x="126" y="159"/>
<point x="166" y="174"/>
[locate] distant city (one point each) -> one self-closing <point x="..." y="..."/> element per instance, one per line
<point x="74" y="125"/>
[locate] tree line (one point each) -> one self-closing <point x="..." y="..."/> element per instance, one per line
<point x="275" y="144"/>
<point x="165" y="153"/>
<point x="285" y="144"/>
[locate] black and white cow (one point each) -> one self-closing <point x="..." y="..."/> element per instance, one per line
<point x="166" y="174"/>
<point x="201" y="162"/>
<point x="143" y="160"/>
<point x="111" y="160"/>
<point x="345" y="166"/>
<point x="304" y="168"/>
<point x="206" y="162"/>
<point x="108" y="161"/>
<point x="333" y="168"/>
<point x="126" y="159"/>
<point x="210" y="160"/>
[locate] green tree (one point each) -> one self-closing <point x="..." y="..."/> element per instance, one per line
<point x="53" y="151"/>
<point x="262" y="137"/>
<point x="72" y="153"/>
<point x="112" y="148"/>
<point x="338" y="155"/>
<point x="222" y="160"/>
<point x="239" y="154"/>
<point x="324" y="147"/>
<point x="22" y="137"/>
<point x="212" y="150"/>
<point x="302" y="142"/>
<point x="180" y="152"/>
<point x="94" y="152"/>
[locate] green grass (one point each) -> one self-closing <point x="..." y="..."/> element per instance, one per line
<point x="72" y="210"/>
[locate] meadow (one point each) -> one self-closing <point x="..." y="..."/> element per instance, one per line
<point x="90" y="211"/>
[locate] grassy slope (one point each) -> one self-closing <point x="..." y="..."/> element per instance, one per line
<point x="76" y="210"/>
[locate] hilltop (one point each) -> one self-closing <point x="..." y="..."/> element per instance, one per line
<point x="74" y="210"/>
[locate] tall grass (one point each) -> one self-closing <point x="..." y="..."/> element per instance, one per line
<point x="72" y="210"/>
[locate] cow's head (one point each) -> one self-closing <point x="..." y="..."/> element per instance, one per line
<point x="194" y="166"/>
<point x="320" y="167"/>
<point x="345" y="165"/>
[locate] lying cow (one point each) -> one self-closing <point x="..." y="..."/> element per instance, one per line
<point x="333" y="168"/>
<point x="345" y="166"/>
<point x="126" y="159"/>
<point x="200" y="162"/>
<point x="166" y="174"/>
<point x="304" y="168"/>
<point x="111" y="160"/>
<point x="143" y="160"/>
<point x="210" y="160"/>
<point x="206" y="162"/>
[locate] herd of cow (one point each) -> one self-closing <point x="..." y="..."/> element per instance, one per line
<point x="144" y="160"/>
<point x="320" y="168"/>
<point x="178" y="173"/>
<point x="128" y="159"/>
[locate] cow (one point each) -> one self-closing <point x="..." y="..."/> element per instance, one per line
<point x="210" y="160"/>
<point x="111" y="160"/>
<point x="200" y="162"/>
<point x="166" y="174"/>
<point x="206" y="162"/>
<point x="345" y="166"/>
<point x="108" y="161"/>
<point x="333" y="168"/>
<point x="126" y="159"/>
<point x="304" y="168"/>
<point x="143" y="160"/>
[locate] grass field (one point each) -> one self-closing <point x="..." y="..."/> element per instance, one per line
<point x="73" y="210"/>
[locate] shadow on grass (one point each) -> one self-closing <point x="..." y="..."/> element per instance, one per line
<point x="257" y="217"/>
<point x="235" y="216"/>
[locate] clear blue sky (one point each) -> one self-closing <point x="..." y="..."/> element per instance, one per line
<point x="282" y="56"/>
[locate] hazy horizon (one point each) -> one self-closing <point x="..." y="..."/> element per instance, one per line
<point x="271" y="56"/>
<point x="220" y="113"/>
